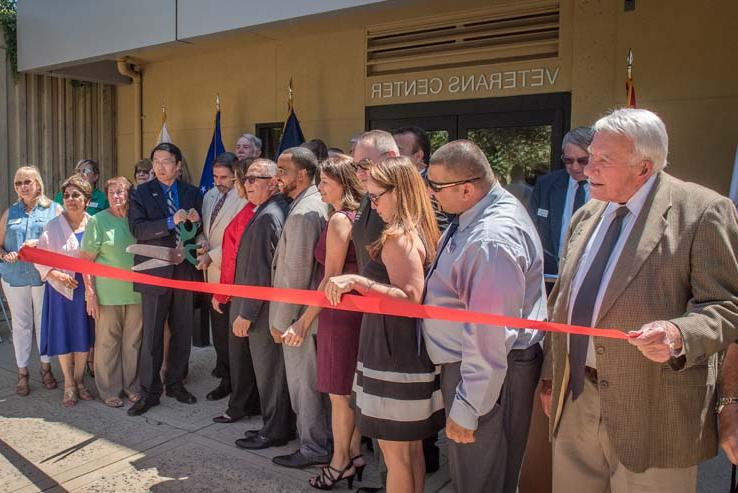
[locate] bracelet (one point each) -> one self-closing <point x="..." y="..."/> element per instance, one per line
<point x="724" y="401"/>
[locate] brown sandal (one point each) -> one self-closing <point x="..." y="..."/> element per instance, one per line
<point x="70" y="397"/>
<point x="113" y="402"/>
<point x="83" y="393"/>
<point x="22" y="388"/>
<point x="47" y="378"/>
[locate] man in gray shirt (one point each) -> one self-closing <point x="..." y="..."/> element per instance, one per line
<point x="489" y="260"/>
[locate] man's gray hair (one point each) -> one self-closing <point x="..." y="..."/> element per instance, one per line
<point x="381" y="140"/>
<point x="644" y="129"/>
<point x="580" y="137"/>
<point x="464" y="160"/>
<point x="255" y="141"/>
<point x="269" y="166"/>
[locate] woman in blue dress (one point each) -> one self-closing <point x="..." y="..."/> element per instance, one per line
<point x="66" y="329"/>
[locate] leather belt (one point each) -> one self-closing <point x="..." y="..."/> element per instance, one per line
<point x="591" y="374"/>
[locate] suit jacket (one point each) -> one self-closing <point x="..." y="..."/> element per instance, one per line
<point x="546" y="207"/>
<point x="254" y="259"/>
<point x="147" y="217"/>
<point x="294" y="262"/>
<point x="678" y="264"/>
<point x="214" y="232"/>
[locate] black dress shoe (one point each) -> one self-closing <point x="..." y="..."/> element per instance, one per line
<point x="251" y="433"/>
<point x="218" y="393"/>
<point x="181" y="394"/>
<point x="297" y="460"/>
<point x="224" y="418"/>
<point x="142" y="406"/>
<point x="258" y="442"/>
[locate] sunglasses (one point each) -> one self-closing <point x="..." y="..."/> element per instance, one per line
<point x="252" y="179"/>
<point x="438" y="186"/>
<point x="583" y="161"/>
<point x="375" y="198"/>
<point x="365" y="164"/>
<point x="72" y="195"/>
<point x="142" y="171"/>
<point x="27" y="183"/>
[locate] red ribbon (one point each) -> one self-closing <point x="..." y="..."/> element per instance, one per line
<point x="365" y="304"/>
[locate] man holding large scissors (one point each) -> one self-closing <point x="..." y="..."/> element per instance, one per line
<point x="158" y="211"/>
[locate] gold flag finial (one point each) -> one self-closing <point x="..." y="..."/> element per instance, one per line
<point x="290" y="97"/>
<point x="217" y="102"/>
<point x="629" y="61"/>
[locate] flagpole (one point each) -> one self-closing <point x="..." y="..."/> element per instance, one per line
<point x="290" y="97"/>
<point x="629" y="87"/>
<point x="217" y="116"/>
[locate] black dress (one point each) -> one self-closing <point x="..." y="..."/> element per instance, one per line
<point x="397" y="392"/>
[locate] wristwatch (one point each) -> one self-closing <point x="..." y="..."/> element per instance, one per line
<point x="724" y="401"/>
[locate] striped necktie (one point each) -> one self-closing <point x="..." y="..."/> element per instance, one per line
<point x="218" y="206"/>
<point x="172" y="208"/>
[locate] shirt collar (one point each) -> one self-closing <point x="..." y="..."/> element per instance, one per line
<point x="470" y="215"/>
<point x="636" y="202"/>
<point x="166" y="189"/>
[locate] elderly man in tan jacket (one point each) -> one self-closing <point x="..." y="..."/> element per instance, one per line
<point x="655" y="257"/>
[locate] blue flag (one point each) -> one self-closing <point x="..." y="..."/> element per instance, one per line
<point x="216" y="149"/>
<point x="291" y="134"/>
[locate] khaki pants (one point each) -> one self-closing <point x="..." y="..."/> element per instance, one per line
<point x="117" y="344"/>
<point x="584" y="459"/>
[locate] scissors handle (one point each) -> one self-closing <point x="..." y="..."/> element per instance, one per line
<point x="185" y="234"/>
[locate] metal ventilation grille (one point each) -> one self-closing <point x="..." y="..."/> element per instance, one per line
<point x="528" y="34"/>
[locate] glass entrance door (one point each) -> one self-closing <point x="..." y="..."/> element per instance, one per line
<point x="521" y="136"/>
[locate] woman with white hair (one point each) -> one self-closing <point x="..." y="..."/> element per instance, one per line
<point x="22" y="222"/>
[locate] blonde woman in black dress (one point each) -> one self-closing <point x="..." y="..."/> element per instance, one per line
<point x="396" y="386"/>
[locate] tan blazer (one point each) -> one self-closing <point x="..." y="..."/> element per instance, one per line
<point x="678" y="264"/>
<point x="214" y="232"/>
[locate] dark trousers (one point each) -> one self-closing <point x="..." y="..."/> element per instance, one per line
<point x="244" y="399"/>
<point x="220" y="326"/>
<point x="177" y="307"/>
<point x="268" y="374"/>
<point x="492" y="463"/>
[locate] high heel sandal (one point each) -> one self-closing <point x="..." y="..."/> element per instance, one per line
<point x="47" y="378"/>
<point x="326" y="480"/>
<point x="22" y="388"/>
<point x="83" y="393"/>
<point x="70" y="397"/>
<point x="358" y="467"/>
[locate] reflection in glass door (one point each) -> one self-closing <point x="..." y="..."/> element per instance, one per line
<point x="520" y="135"/>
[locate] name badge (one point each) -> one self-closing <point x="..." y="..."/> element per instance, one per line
<point x="542" y="212"/>
<point x="15" y="221"/>
<point x="93" y="205"/>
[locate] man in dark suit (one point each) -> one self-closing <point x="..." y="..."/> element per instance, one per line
<point x="157" y="208"/>
<point x="559" y="194"/>
<point x="251" y="317"/>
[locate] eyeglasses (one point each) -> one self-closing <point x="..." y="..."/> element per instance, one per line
<point x="86" y="172"/>
<point x="252" y="179"/>
<point x="375" y="198"/>
<point x="72" y="195"/>
<point x="142" y="171"/>
<point x="568" y="161"/>
<point x="365" y="164"/>
<point x="438" y="186"/>
<point x="27" y="183"/>
<point x="163" y="162"/>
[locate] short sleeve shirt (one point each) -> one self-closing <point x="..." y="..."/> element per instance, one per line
<point x="108" y="236"/>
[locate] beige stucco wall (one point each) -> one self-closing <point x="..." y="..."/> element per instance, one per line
<point x="686" y="69"/>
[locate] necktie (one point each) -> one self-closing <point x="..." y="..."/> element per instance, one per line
<point x="172" y="208"/>
<point x="579" y="196"/>
<point x="217" y="208"/>
<point x="584" y="304"/>
<point x="450" y="231"/>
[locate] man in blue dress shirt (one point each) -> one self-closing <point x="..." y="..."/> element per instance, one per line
<point x="489" y="260"/>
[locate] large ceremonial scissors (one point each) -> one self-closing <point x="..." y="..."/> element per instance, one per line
<point x="160" y="256"/>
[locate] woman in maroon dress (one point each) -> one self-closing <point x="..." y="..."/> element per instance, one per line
<point x="338" y="330"/>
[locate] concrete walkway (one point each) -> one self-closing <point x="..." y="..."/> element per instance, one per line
<point x="174" y="447"/>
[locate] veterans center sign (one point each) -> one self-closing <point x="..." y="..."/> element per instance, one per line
<point x="474" y="85"/>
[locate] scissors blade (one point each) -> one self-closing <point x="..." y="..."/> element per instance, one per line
<point x="152" y="263"/>
<point x="171" y="255"/>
